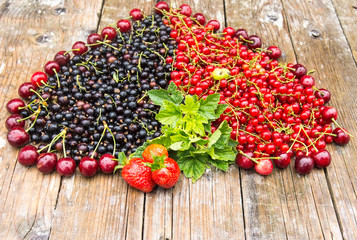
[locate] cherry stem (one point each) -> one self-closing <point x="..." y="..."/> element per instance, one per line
<point x="58" y="136"/>
<point x="77" y="49"/>
<point x="308" y="137"/>
<point x="338" y="125"/>
<point x="311" y="71"/>
<point x="31" y="90"/>
<point x="255" y="161"/>
<point x="58" y="81"/>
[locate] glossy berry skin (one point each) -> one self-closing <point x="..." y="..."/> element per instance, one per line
<point x="300" y="70"/>
<point x="107" y="164"/>
<point x="18" y="137"/>
<point x="25" y="90"/>
<point x="283" y="161"/>
<point x="229" y="31"/>
<point x="255" y="42"/>
<point x="124" y="25"/>
<point x="264" y="167"/>
<point x="200" y="18"/>
<point x="341" y="137"/>
<point x="28" y="155"/>
<point x="108" y="33"/>
<point x="243" y="161"/>
<point x="93" y="38"/>
<point x="66" y="166"/>
<point x="62" y="58"/>
<point x="136" y="14"/>
<point x="324" y="94"/>
<point x="241" y="33"/>
<point x="39" y="78"/>
<point x="154" y="149"/>
<point x="274" y="52"/>
<point x="12" y="122"/>
<point x="321" y="158"/>
<point x="79" y="48"/>
<point x="160" y="6"/>
<point x="167" y="176"/>
<point x="329" y="113"/>
<point x="216" y="25"/>
<point x="137" y="175"/>
<point x="185" y="10"/>
<point x="52" y="67"/>
<point x="13" y="105"/>
<point x="304" y="164"/>
<point x="88" y="166"/>
<point x="307" y="81"/>
<point x="47" y="162"/>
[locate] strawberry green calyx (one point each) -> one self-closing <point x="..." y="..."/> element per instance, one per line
<point x="159" y="162"/>
<point x="122" y="161"/>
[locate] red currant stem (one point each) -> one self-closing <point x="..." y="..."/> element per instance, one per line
<point x="58" y="81"/>
<point x="308" y="137"/>
<point x="311" y="71"/>
<point x="294" y="140"/>
<point x="31" y="90"/>
<point x="325" y="133"/>
<point x="338" y="125"/>
<point x="255" y="161"/>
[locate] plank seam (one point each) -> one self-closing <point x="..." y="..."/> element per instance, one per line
<point x="241" y="194"/>
<point x="53" y="213"/>
<point x="225" y="13"/>
<point x="100" y="14"/>
<point x="143" y="225"/>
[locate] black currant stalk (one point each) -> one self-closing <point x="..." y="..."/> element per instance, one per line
<point x="101" y="137"/>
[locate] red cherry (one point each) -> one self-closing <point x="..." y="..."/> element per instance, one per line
<point x="215" y="24"/>
<point x="39" y="78"/>
<point x="88" y="166"/>
<point x="28" y="155"/>
<point x="322" y="158"/>
<point x="62" y="58"/>
<point x="300" y="70"/>
<point x="254" y="42"/>
<point x="107" y="164"/>
<point x="243" y="161"/>
<point x="283" y="161"/>
<point x="324" y="94"/>
<point x="12" y="122"/>
<point x="13" y="105"/>
<point x="136" y="14"/>
<point x="201" y="19"/>
<point x="185" y="10"/>
<point x="307" y="81"/>
<point x="303" y="164"/>
<point x="160" y="6"/>
<point x="329" y="113"/>
<point x="274" y="52"/>
<point x="93" y="38"/>
<point x="79" y="48"/>
<point x="46" y="162"/>
<point x="108" y="33"/>
<point x="51" y="68"/>
<point x="264" y="167"/>
<point x="229" y="31"/>
<point x="341" y="137"/>
<point x="66" y="166"/>
<point x="124" y="25"/>
<point x="18" y="137"/>
<point x="241" y="33"/>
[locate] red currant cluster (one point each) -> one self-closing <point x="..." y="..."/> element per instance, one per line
<point x="274" y="109"/>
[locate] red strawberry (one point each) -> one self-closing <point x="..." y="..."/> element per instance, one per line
<point x="137" y="175"/>
<point x="165" y="171"/>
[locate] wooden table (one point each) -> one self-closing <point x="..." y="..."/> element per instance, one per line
<point x="320" y="34"/>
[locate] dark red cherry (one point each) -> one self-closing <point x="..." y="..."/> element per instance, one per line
<point x="28" y="155"/>
<point x="93" y="38"/>
<point x="18" y="137"/>
<point x="136" y="14"/>
<point x="300" y="70"/>
<point x="185" y="10"/>
<point x="264" y="167"/>
<point x="254" y="42"/>
<point x="39" y="78"/>
<point x="241" y="33"/>
<point x="329" y="113"/>
<point x="243" y="161"/>
<point x="307" y="81"/>
<point x="107" y="164"/>
<point x="13" y="105"/>
<point x="66" y="166"/>
<point x="283" y="161"/>
<point x="160" y="6"/>
<point x="215" y="24"/>
<point x="88" y="166"/>
<point x="79" y="48"/>
<point x="108" y="33"/>
<point x="321" y="158"/>
<point x="47" y="162"/>
<point x="52" y="67"/>
<point x="304" y="164"/>
<point x="200" y="18"/>
<point x="274" y="52"/>
<point x="124" y="25"/>
<point x="62" y="58"/>
<point x="12" y="122"/>
<point x="324" y="94"/>
<point x="341" y="137"/>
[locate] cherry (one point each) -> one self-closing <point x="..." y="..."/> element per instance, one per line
<point x="136" y="14"/>
<point x="160" y="6"/>
<point x="329" y="113"/>
<point x="185" y="10"/>
<point x="107" y="164"/>
<point x="79" y="48"/>
<point x="39" y="78"/>
<point x="229" y="31"/>
<point x="303" y="164"/>
<point x="215" y="24"/>
<point x="321" y="158"/>
<point x="324" y="94"/>
<point x="66" y="166"/>
<point x="62" y="58"/>
<point x="93" y="38"/>
<point x="25" y="90"/>
<point x="243" y="161"/>
<point x="300" y="70"/>
<point x="264" y="167"/>
<point x="307" y="81"/>
<point x="52" y="67"/>
<point x="108" y="33"/>
<point x="274" y="52"/>
<point x="18" y="137"/>
<point x="254" y="42"/>
<point x="12" y="122"/>
<point x="28" y="155"/>
<point x="13" y="105"/>
<point x="88" y="166"/>
<point x="46" y="162"/>
<point x="341" y="137"/>
<point x="124" y="25"/>
<point x="201" y="19"/>
<point x="283" y="161"/>
<point x="241" y="33"/>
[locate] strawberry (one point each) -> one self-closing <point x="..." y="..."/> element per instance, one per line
<point x="137" y="175"/>
<point x="165" y="171"/>
<point x="154" y="150"/>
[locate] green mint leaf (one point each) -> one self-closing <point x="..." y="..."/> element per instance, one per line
<point x="220" y="109"/>
<point x="225" y="135"/>
<point x="223" y="165"/>
<point x="208" y="106"/>
<point x="191" y="105"/>
<point x="193" y="166"/>
<point x="170" y="114"/>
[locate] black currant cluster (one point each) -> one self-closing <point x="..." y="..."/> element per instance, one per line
<point x="107" y="84"/>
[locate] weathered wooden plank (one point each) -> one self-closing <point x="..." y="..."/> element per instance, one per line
<point x="31" y="33"/>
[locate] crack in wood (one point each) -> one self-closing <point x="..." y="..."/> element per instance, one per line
<point x="100" y="15"/>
